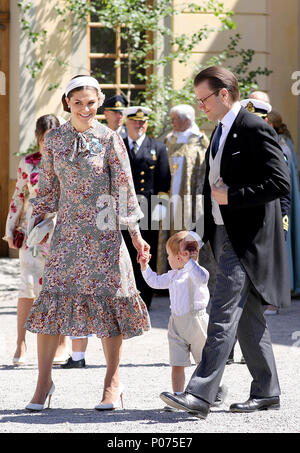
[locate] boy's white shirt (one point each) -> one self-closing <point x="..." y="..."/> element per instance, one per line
<point x="187" y="286"/>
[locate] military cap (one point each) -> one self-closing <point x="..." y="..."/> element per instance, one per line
<point x="256" y="106"/>
<point x="137" y="113"/>
<point x="116" y="103"/>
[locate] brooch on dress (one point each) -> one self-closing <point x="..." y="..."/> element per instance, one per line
<point x="95" y="147"/>
<point x="81" y="145"/>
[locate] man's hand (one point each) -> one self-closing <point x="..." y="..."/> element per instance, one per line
<point x="220" y="192"/>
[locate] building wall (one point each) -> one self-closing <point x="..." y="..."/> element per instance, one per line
<point x="30" y="98"/>
<point x="269" y="27"/>
<point x="266" y="26"/>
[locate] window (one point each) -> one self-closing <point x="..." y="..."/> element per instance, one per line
<point x="108" y="61"/>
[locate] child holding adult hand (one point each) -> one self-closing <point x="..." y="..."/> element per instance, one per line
<point x="189" y="295"/>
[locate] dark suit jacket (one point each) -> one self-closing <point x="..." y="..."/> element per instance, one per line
<point x="254" y="168"/>
<point x="150" y="167"/>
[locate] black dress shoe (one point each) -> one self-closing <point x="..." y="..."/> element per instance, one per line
<point x="187" y="402"/>
<point x="254" y="404"/>
<point x="74" y="363"/>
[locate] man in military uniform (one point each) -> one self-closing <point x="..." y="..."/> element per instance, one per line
<point x="151" y="175"/>
<point x="114" y="113"/>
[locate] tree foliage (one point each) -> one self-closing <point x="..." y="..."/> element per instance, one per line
<point x="145" y="27"/>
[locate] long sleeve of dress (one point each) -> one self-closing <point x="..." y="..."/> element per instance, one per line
<point x="122" y="187"/>
<point x="16" y="207"/>
<point x="48" y="195"/>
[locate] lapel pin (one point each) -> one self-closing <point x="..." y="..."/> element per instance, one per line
<point x="234" y="135"/>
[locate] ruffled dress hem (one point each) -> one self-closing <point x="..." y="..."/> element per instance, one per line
<point x="74" y="315"/>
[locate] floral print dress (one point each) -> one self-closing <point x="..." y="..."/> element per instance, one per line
<point x="31" y="267"/>
<point x="88" y="284"/>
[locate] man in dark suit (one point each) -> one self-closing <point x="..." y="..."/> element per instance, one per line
<point x="245" y="177"/>
<point x="151" y="176"/>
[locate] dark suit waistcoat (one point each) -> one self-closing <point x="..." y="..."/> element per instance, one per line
<point x="256" y="173"/>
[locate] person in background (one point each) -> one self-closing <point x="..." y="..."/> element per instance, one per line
<point x="293" y="234"/>
<point x="186" y="146"/>
<point x="77" y="359"/>
<point x="260" y="96"/>
<point x="114" y="114"/>
<point x="151" y="176"/>
<point x="31" y="267"/>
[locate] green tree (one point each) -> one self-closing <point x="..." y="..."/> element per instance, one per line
<point x="146" y="29"/>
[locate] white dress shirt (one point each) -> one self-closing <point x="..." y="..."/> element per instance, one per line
<point x="215" y="164"/>
<point x="138" y="141"/>
<point x="187" y="286"/>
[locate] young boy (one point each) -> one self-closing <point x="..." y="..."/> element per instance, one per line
<point x="189" y="296"/>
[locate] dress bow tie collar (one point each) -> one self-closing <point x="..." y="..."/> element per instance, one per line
<point x="80" y="145"/>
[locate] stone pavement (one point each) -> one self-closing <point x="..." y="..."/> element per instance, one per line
<point x="145" y="373"/>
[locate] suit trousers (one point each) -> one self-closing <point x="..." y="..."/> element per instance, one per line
<point x="236" y="308"/>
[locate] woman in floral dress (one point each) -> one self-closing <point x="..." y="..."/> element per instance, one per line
<point x="88" y="284"/>
<point x="31" y="267"/>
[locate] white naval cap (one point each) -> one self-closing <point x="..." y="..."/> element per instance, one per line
<point x="256" y="106"/>
<point x="137" y="113"/>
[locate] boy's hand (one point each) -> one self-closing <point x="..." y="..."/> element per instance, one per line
<point x="144" y="260"/>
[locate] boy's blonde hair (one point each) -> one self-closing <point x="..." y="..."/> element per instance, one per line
<point x="173" y="242"/>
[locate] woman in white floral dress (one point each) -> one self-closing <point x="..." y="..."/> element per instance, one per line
<point x="31" y="267"/>
<point x="88" y="284"/>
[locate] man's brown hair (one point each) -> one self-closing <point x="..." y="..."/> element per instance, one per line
<point x="218" y="78"/>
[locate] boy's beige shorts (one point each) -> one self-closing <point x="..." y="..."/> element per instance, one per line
<point x="187" y="335"/>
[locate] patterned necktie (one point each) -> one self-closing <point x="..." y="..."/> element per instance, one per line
<point x="216" y="141"/>
<point x="135" y="147"/>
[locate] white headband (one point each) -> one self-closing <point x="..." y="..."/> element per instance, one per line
<point x="82" y="82"/>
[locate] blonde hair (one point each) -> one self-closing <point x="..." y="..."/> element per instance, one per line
<point x="173" y="242"/>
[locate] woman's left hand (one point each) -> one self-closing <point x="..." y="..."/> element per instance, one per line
<point x="140" y="245"/>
